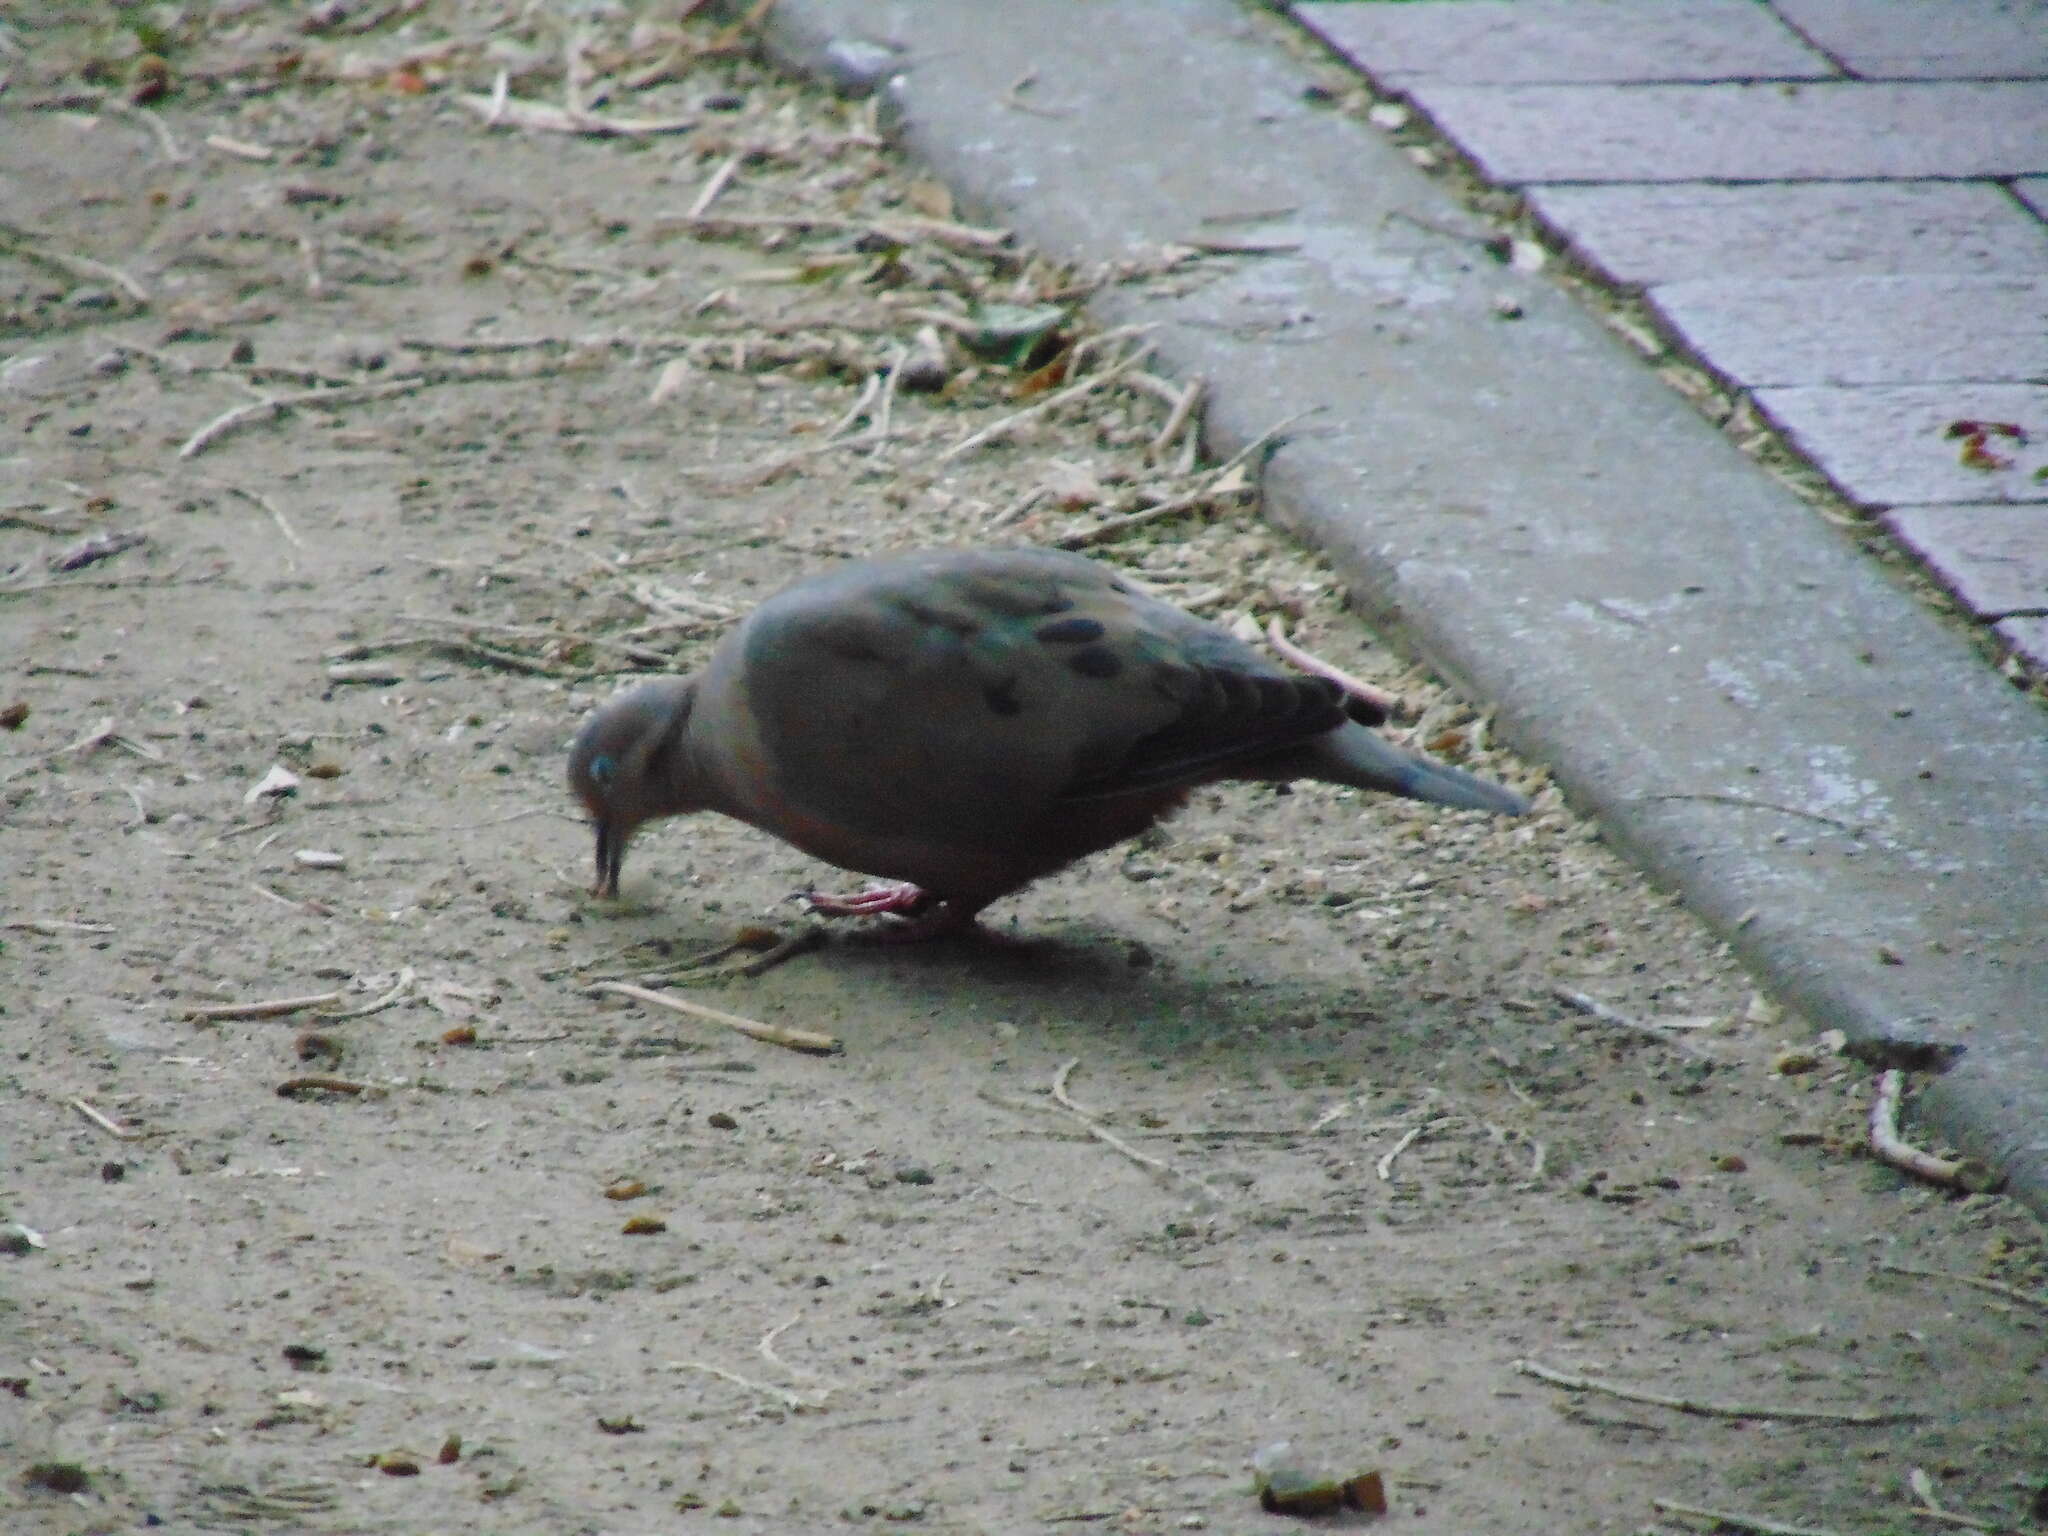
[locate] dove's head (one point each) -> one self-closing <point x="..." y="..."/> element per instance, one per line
<point x="628" y="766"/>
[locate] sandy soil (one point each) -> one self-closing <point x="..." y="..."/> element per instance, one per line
<point x="1327" y="1160"/>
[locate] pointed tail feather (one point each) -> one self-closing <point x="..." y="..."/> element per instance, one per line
<point x="1355" y="756"/>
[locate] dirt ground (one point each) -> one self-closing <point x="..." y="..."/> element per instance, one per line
<point x="1268" y="1128"/>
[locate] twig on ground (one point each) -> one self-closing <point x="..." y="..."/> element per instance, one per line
<point x="795" y="1402"/>
<point x="241" y="149"/>
<point x="1701" y="1409"/>
<point x="702" y="968"/>
<point x="51" y="927"/>
<point x="767" y="1351"/>
<point x="1331" y="1116"/>
<point x="491" y="655"/>
<point x="104" y="735"/>
<point x="1017" y="510"/>
<point x="751" y="937"/>
<point x="893" y="372"/>
<point x="1213" y="485"/>
<point x="502" y="110"/>
<point x="391" y="994"/>
<point x="1177" y="419"/>
<point x="1994" y="1287"/>
<point x="1315" y="666"/>
<point x="270" y="508"/>
<point x="74" y="584"/>
<point x="1757" y="1525"/>
<point x="1614" y="1018"/>
<point x="902" y="229"/>
<point x="297" y="1087"/>
<point x="172" y="150"/>
<point x="869" y="388"/>
<point x="1117" y="527"/>
<point x="774" y="1034"/>
<point x="1931" y="1507"/>
<point x="1385" y="1166"/>
<point x="717" y="182"/>
<point x="1116" y="1143"/>
<point x="1593" y="1008"/>
<point x="1059" y="1090"/>
<point x="1744" y="802"/>
<point x="805" y="939"/>
<point x="310" y="907"/>
<point x="1008" y="424"/>
<point x="1495" y="244"/>
<point x="640" y="653"/>
<point x="70" y="262"/>
<point x="261" y="410"/>
<point x="269" y="1008"/>
<point x="1965" y="1173"/>
<point x="112" y="1127"/>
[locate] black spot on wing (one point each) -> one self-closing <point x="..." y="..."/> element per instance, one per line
<point x="1364" y="711"/>
<point x="1002" y="697"/>
<point x="1074" y="631"/>
<point x="1095" y="661"/>
<point x="1226" y="719"/>
<point x="1277" y="696"/>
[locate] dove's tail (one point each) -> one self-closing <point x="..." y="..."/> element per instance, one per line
<point x="1354" y="755"/>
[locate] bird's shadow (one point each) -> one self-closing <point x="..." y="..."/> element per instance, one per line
<point x="1119" y="988"/>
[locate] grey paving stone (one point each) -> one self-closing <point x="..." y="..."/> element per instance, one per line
<point x="1667" y="232"/>
<point x="1919" y="40"/>
<point x="1497" y="42"/>
<point x="1864" y="330"/>
<point x="1993" y="557"/>
<point x="2033" y="191"/>
<point x="1887" y="446"/>
<point x="1830" y="130"/>
<point x="2029" y="637"/>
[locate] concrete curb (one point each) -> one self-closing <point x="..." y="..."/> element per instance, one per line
<point x="1833" y="781"/>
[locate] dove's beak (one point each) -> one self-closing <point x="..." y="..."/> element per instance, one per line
<point x="611" y="854"/>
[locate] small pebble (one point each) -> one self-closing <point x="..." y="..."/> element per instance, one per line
<point x="855" y="67"/>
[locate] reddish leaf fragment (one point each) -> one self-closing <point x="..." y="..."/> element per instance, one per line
<point x="1975" y="455"/>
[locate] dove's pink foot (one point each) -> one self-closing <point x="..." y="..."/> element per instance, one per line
<point x="919" y="914"/>
<point x="900" y="898"/>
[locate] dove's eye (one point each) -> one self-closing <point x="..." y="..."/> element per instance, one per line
<point x="602" y="770"/>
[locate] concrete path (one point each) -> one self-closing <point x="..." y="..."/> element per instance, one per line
<point x="1839" y="206"/>
<point x="1751" y="705"/>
